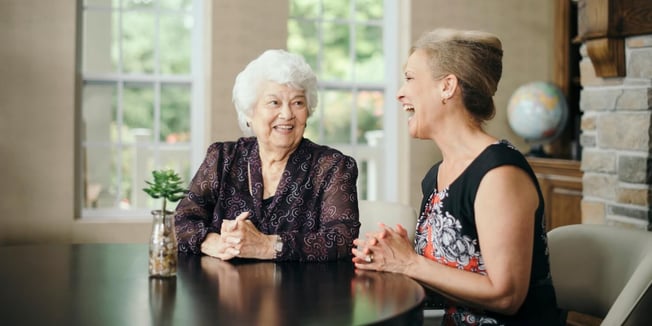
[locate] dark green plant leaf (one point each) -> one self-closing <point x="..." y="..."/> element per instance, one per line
<point x="167" y="184"/>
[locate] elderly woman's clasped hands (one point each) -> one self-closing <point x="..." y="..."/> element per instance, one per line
<point x="237" y="238"/>
<point x="388" y="249"/>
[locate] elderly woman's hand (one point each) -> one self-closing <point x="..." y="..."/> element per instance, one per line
<point x="215" y="245"/>
<point x="247" y="239"/>
<point x="223" y="246"/>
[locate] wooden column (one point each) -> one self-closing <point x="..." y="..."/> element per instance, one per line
<point x="604" y="24"/>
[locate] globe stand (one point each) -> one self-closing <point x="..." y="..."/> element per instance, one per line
<point x="536" y="150"/>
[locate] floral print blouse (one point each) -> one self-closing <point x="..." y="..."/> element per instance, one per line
<point x="446" y="233"/>
<point x="314" y="210"/>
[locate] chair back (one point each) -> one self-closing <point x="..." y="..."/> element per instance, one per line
<point x="374" y="212"/>
<point x="603" y="271"/>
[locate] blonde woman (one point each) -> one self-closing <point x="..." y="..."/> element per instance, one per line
<point x="480" y="240"/>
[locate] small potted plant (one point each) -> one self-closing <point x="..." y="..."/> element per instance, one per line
<point x="163" y="244"/>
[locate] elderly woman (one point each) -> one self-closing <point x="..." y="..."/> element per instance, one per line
<point x="480" y="239"/>
<point x="276" y="195"/>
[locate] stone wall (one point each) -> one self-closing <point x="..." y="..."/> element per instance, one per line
<point x="616" y="126"/>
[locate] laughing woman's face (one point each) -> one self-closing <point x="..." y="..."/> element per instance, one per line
<point x="420" y="96"/>
<point x="279" y="117"/>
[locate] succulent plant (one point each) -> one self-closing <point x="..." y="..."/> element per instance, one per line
<point x="167" y="184"/>
<point x="163" y="245"/>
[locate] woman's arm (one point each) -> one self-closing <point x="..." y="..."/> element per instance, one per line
<point x="338" y="219"/>
<point x="505" y="207"/>
<point x="194" y="212"/>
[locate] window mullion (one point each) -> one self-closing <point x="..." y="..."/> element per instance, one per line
<point x="393" y="126"/>
<point x="354" y="92"/>
<point x="197" y="101"/>
<point x="320" y="58"/>
<point x="119" y="146"/>
<point x="157" y="123"/>
<point x="157" y="85"/>
<point x="354" y="120"/>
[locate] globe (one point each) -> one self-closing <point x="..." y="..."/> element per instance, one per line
<point x="537" y="111"/>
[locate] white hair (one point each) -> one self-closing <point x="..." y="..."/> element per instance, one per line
<point x="277" y="66"/>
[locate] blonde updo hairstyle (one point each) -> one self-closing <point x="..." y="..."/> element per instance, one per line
<point x="474" y="57"/>
<point x="277" y="66"/>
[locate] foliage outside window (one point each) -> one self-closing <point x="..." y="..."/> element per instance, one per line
<point x="343" y="42"/>
<point x="137" y="98"/>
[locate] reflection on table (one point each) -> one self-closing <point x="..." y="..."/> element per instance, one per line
<point x="107" y="284"/>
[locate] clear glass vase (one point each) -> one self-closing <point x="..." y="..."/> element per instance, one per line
<point x="163" y="245"/>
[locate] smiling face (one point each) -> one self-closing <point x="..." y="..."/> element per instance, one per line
<point x="420" y="95"/>
<point x="279" y="117"/>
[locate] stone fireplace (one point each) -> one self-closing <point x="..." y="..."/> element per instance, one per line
<point x="616" y="105"/>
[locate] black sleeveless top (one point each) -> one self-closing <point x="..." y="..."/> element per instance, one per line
<point x="446" y="233"/>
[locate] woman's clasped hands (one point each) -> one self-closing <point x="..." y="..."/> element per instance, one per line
<point x="388" y="249"/>
<point x="237" y="238"/>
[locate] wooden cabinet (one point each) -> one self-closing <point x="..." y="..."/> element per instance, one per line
<point x="561" y="184"/>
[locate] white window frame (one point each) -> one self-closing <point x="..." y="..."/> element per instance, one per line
<point x="193" y="80"/>
<point x="396" y="139"/>
<point x="387" y="164"/>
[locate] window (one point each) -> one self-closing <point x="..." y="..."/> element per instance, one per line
<point x="139" y="99"/>
<point x="345" y="44"/>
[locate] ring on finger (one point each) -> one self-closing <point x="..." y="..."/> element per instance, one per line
<point x="369" y="258"/>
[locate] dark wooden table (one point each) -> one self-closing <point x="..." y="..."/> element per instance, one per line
<point x="108" y="284"/>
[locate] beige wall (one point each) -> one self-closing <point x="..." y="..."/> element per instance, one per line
<point x="37" y="96"/>
<point x="37" y="110"/>
<point x="526" y="30"/>
<point x="37" y="61"/>
<point x="241" y="30"/>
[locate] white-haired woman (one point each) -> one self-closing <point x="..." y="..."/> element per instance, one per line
<point x="275" y="195"/>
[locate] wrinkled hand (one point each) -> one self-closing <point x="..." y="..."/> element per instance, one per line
<point x="215" y="246"/>
<point x="219" y="246"/>
<point x="246" y="240"/>
<point x="387" y="250"/>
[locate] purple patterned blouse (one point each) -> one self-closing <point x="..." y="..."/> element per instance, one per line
<point x="314" y="210"/>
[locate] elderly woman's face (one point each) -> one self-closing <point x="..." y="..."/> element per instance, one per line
<point x="279" y="116"/>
